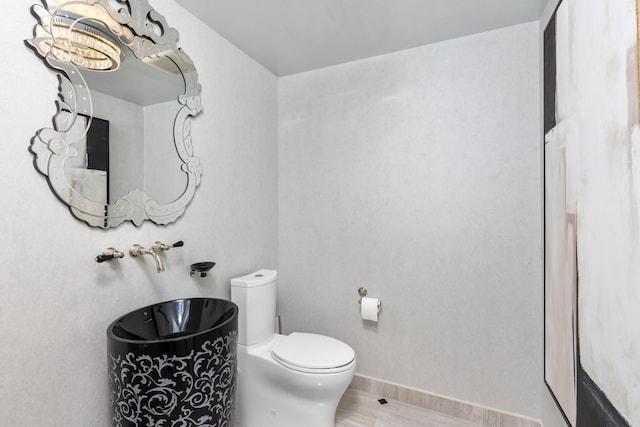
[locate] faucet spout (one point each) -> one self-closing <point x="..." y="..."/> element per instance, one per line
<point x="136" y="250"/>
<point x="156" y="257"/>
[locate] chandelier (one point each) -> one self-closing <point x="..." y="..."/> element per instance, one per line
<point x="79" y="41"/>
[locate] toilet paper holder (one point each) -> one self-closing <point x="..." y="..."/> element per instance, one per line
<point x="362" y="291"/>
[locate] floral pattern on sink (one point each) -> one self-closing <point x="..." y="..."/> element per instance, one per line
<point x="196" y="389"/>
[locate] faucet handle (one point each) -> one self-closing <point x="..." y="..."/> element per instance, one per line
<point x="159" y="246"/>
<point x="103" y="258"/>
<point x="108" y="254"/>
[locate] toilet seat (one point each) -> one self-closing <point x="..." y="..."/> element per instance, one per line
<point x="312" y="353"/>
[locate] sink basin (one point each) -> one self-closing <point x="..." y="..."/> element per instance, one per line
<point x="174" y="363"/>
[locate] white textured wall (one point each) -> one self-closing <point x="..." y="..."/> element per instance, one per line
<point x="126" y="156"/>
<point x="55" y="301"/>
<point x="417" y="175"/>
<point x="163" y="184"/>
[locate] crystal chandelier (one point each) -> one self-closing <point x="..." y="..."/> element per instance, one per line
<point x="83" y="44"/>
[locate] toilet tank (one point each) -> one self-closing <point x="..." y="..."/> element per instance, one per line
<point x="255" y="295"/>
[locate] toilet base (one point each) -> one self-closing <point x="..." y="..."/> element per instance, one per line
<point x="271" y="395"/>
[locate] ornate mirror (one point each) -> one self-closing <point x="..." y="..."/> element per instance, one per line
<point x="120" y="147"/>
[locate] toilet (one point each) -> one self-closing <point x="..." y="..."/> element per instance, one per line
<point x="284" y="380"/>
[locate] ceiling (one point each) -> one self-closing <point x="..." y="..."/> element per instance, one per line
<point x="292" y="36"/>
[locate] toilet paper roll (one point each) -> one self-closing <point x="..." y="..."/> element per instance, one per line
<point x="369" y="309"/>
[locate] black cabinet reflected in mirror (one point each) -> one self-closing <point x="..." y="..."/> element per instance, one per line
<point x="120" y="148"/>
<point x="98" y="149"/>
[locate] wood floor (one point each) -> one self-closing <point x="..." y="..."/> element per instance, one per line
<point x="362" y="409"/>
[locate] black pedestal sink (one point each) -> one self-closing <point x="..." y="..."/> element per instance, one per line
<point x="174" y="364"/>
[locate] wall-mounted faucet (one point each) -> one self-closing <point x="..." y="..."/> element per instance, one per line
<point x="136" y="250"/>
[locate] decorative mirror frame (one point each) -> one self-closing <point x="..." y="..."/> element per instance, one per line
<point x="140" y="27"/>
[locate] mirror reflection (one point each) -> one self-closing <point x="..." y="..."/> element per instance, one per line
<point x="120" y="148"/>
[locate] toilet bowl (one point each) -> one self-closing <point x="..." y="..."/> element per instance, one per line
<point x="284" y="380"/>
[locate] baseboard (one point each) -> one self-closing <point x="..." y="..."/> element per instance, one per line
<point x="454" y="408"/>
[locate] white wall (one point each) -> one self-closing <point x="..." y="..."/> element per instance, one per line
<point x="417" y="175"/>
<point x="126" y="155"/>
<point x="163" y="184"/>
<point x="55" y="301"/>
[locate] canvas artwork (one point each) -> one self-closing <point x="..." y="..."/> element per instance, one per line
<point x="560" y="273"/>
<point x="580" y="398"/>
<point x="560" y="278"/>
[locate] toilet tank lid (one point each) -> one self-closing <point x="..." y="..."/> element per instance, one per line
<point x="259" y="278"/>
<point x="313" y="351"/>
